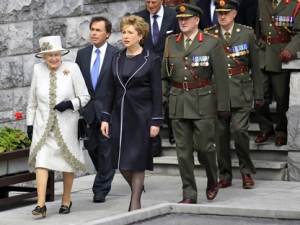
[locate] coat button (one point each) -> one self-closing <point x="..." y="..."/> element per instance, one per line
<point x="185" y="78"/>
<point x="185" y="68"/>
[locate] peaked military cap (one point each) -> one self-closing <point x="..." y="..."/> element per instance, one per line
<point x="226" y="5"/>
<point x="187" y="10"/>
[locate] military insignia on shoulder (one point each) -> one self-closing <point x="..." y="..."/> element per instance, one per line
<point x="200" y="37"/>
<point x="179" y="37"/>
<point x="250" y="28"/>
<point x="210" y="28"/>
<point x="213" y="35"/>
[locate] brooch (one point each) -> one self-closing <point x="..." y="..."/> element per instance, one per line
<point x="66" y="72"/>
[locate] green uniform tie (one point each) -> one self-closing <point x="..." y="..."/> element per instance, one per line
<point x="227" y="36"/>
<point x="274" y="4"/>
<point x="187" y="44"/>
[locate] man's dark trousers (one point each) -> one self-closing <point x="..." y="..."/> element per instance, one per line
<point x="100" y="154"/>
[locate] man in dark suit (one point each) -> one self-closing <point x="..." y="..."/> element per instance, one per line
<point x="98" y="146"/>
<point x="245" y="87"/>
<point x="209" y="17"/>
<point x="167" y="25"/>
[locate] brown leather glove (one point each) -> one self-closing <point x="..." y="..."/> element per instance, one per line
<point x="285" y="56"/>
<point x="258" y="103"/>
<point x="222" y="115"/>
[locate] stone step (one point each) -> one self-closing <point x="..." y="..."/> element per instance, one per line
<point x="266" y="170"/>
<point x="267" y="151"/>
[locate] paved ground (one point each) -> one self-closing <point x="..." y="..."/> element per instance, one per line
<point x="270" y="199"/>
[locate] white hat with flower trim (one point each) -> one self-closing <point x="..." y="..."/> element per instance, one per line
<point x="51" y="44"/>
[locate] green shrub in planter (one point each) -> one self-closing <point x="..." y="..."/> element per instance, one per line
<point x="11" y="139"/>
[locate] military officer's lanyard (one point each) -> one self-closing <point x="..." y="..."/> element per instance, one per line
<point x="189" y="67"/>
<point x="230" y="55"/>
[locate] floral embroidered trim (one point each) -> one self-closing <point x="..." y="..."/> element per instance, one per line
<point x="66" y="72"/>
<point x="46" y="46"/>
<point x="52" y="124"/>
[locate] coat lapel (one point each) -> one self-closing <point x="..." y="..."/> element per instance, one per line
<point x="194" y="45"/>
<point x="141" y="61"/>
<point x="119" y="65"/>
<point x="106" y="63"/>
<point x="88" y="58"/>
<point x="280" y="7"/>
<point x="163" y="29"/>
<point x="234" y="36"/>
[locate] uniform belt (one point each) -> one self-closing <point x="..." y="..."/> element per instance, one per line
<point x="190" y="85"/>
<point x="279" y="39"/>
<point x="237" y="70"/>
<point x="174" y="2"/>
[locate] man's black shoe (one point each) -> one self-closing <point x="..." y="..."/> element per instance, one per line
<point x="98" y="198"/>
<point x="171" y="139"/>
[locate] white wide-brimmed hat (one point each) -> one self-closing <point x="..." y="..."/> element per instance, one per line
<point x="50" y="44"/>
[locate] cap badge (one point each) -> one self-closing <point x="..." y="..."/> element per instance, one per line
<point x="222" y="3"/>
<point x="182" y="8"/>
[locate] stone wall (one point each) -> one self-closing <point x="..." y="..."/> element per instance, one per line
<point x="23" y="22"/>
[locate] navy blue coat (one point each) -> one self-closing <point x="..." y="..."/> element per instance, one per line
<point x="134" y="106"/>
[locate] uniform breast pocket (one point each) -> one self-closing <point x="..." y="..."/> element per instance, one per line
<point x="248" y="89"/>
<point x="207" y="100"/>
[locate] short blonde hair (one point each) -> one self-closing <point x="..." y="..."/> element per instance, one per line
<point x="141" y="26"/>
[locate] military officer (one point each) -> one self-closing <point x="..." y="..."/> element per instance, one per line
<point x="278" y="34"/>
<point x="240" y="47"/>
<point x="190" y="60"/>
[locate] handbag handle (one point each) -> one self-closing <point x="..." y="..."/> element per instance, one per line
<point x="80" y="107"/>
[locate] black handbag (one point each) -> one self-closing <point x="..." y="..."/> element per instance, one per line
<point x="83" y="127"/>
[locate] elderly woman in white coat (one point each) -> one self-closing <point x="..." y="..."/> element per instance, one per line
<point x="52" y="118"/>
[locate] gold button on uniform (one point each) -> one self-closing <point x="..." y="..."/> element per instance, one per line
<point x="185" y="78"/>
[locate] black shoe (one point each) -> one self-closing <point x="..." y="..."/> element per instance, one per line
<point x="171" y="139"/>
<point x="65" y="209"/>
<point x="98" y="198"/>
<point x="40" y="210"/>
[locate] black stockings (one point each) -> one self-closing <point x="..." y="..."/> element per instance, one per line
<point x="135" y="179"/>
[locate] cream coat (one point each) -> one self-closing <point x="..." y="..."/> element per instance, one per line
<point x="66" y="84"/>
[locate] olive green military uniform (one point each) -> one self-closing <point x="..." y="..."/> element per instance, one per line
<point x="193" y="110"/>
<point x="242" y="52"/>
<point x="269" y="50"/>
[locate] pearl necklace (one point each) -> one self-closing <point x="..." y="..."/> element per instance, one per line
<point x="133" y="55"/>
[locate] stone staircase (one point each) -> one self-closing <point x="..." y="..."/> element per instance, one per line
<point x="269" y="160"/>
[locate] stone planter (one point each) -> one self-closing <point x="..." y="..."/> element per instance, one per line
<point x="14" y="162"/>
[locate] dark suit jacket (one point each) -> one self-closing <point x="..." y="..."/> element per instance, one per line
<point x="169" y="26"/>
<point x="83" y="59"/>
<point x="205" y="19"/>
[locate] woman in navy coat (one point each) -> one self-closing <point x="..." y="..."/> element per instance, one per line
<point x="134" y="106"/>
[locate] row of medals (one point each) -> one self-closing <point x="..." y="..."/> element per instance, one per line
<point x="239" y="50"/>
<point x="234" y="54"/>
<point x="284" y="21"/>
<point x="200" y="61"/>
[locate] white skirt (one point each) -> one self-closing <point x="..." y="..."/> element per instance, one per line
<point x="50" y="156"/>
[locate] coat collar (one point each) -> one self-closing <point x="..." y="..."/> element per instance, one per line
<point x="194" y="45"/>
<point x="141" y="61"/>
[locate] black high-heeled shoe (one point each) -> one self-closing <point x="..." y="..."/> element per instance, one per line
<point x="65" y="209"/>
<point x="39" y="210"/>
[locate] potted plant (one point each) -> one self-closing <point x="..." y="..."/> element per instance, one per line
<point x="11" y="140"/>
